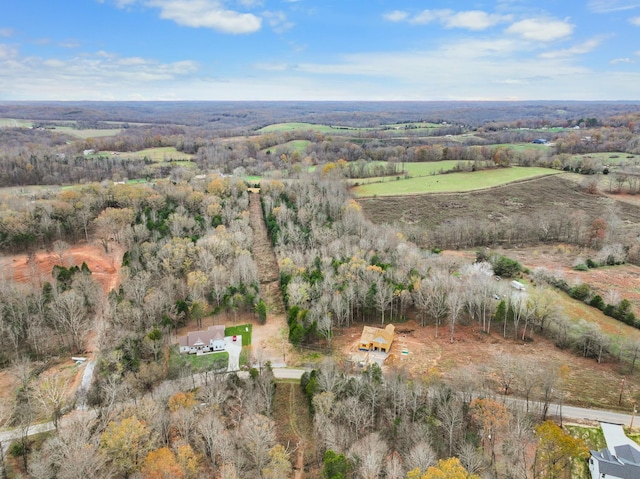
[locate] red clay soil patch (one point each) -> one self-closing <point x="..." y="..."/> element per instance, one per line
<point x="105" y="268"/>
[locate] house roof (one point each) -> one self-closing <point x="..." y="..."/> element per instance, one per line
<point x="371" y="334"/>
<point x="621" y="458"/>
<point x="200" y="338"/>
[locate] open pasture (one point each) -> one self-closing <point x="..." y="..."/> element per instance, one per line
<point x="283" y="127"/>
<point x="14" y="123"/>
<point x="453" y="182"/>
<point x="161" y="154"/>
<point x="550" y="194"/>
<point x="290" y="146"/>
<point x="88" y="133"/>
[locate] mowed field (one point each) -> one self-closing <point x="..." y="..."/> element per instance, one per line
<point x="161" y="154"/>
<point x="537" y="195"/>
<point x="452" y="182"/>
<point x="283" y="127"/>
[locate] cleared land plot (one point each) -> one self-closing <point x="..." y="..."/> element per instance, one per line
<point x="411" y="169"/>
<point x="281" y="127"/>
<point x="523" y="146"/>
<point x="89" y="133"/>
<point x="14" y="123"/>
<point x="290" y="146"/>
<point x="586" y="382"/>
<point x="453" y="182"/>
<point x="526" y="198"/>
<point x="160" y="154"/>
<point x="622" y="281"/>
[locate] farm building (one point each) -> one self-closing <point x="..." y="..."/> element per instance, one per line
<point x="377" y="339"/>
<point x="203" y="341"/>
<point x="517" y="285"/>
<point x="620" y="459"/>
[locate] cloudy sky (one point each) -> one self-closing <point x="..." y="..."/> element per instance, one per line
<point x="319" y="50"/>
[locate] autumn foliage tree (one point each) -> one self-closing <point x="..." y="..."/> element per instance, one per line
<point x="161" y="464"/>
<point x="126" y="443"/>
<point x="557" y="452"/>
<point x="445" y="469"/>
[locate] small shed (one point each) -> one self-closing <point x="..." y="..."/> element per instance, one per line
<point x="517" y="285"/>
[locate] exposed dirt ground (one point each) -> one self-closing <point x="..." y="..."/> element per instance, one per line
<point x="105" y="267"/>
<point x="586" y="383"/>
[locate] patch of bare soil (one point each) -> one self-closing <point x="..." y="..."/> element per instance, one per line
<point x="585" y="382"/>
<point x="36" y="269"/>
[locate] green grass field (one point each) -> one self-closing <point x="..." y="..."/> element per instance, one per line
<point x="521" y="146"/>
<point x="242" y="329"/>
<point x="84" y="134"/>
<point x="280" y="127"/>
<point x="161" y="154"/>
<point x="11" y="123"/>
<point x="293" y="145"/>
<point x="452" y="182"/>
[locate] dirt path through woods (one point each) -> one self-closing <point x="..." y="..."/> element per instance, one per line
<point x="269" y="340"/>
<point x="268" y="272"/>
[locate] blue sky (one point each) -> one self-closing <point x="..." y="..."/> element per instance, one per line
<point x="319" y="50"/>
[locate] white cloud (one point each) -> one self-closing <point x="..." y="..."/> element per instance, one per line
<point x="208" y="14"/>
<point x="278" y="21"/>
<point x="635" y="21"/>
<point x="6" y="32"/>
<point x="428" y="16"/>
<point x="250" y="3"/>
<point x="396" y="16"/>
<point x="272" y="67"/>
<point x="615" y="61"/>
<point x="474" y="20"/>
<point x="7" y="51"/>
<point x="606" y="6"/>
<point x="541" y="29"/>
<point x="204" y="14"/>
<point x="470" y="19"/>
<point x="579" y="49"/>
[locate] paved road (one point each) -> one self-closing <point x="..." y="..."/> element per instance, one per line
<point x="7" y="437"/>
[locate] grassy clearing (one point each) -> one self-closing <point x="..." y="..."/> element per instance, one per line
<point x="592" y="436"/>
<point x="291" y="146"/>
<point x="280" y="127"/>
<point x="205" y="361"/>
<point x="453" y="182"/>
<point x="522" y="146"/>
<point x="159" y="154"/>
<point x="242" y="329"/>
<point x="84" y="134"/>
<point x="413" y="126"/>
<point x="11" y="123"/>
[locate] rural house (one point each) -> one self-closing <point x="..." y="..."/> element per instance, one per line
<point x="377" y="339"/>
<point x="203" y="341"/>
<point x="620" y="459"/>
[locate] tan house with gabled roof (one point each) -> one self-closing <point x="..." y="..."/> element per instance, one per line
<point x="377" y="339"/>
